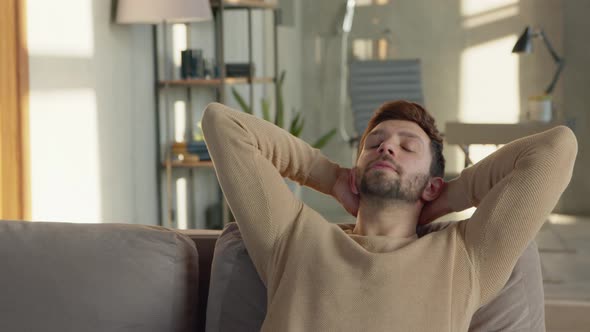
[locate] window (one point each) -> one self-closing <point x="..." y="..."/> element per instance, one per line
<point x="361" y="3"/>
<point x="370" y="49"/>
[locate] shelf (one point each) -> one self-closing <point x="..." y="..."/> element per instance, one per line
<point x="491" y="133"/>
<point x="244" y="4"/>
<point x="188" y="164"/>
<point x="215" y="82"/>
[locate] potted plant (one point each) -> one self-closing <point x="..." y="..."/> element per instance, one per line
<point x="295" y="127"/>
<point x="297" y="123"/>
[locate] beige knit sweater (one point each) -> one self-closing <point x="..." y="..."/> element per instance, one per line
<point x="319" y="278"/>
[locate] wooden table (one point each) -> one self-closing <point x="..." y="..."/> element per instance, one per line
<point x="466" y="134"/>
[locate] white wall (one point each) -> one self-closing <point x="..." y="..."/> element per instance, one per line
<point x="92" y="103"/>
<point x="91" y="115"/>
<point x="576" y="106"/>
<point x="469" y="73"/>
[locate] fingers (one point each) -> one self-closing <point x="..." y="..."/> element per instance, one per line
<point x="352" y="204"/>
<point x="428" y="215"/>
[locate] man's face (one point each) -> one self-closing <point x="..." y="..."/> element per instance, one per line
<point x="394" y="163"/>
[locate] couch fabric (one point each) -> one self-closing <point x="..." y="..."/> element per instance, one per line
<point x="96" y="277"/>
<point x="121" y="277"/>
<point x="237" y="296"/>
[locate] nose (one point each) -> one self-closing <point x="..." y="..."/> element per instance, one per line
<point x="387" y="148"/>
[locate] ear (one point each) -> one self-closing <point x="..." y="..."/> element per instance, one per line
<point x="352" y="181"/>
<point x="433" y="189"/>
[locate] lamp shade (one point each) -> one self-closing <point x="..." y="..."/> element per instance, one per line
<point x="524" y="44"/>
<point x="158" y="11"/>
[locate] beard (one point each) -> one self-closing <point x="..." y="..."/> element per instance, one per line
<point x="380" y="184"/>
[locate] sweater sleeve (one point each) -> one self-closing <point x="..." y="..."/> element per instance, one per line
<point x="251" y="157"/>
<point x="514" y="190"/>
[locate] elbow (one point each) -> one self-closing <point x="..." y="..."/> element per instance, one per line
<point x="564" y="149"/>
<point x="211" y="115"/>
<point x="566" y="142"/>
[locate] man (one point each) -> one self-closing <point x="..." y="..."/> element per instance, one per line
<point x="380" y="275"/>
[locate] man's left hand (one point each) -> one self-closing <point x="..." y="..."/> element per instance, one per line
<point x="437" y="208"/>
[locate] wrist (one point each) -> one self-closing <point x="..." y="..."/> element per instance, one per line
<point x="339" y="184"/>
<point x="456" y="198"/>
<point x="334" y="187"/>
<point x="323" y="174"/>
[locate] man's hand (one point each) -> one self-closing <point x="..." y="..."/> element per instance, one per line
<point x="342" y="192"/>
<point x="437" y="208"/>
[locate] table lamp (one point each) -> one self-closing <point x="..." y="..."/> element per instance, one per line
<point x="162" y="11"/>
<point x="539" y="106"/>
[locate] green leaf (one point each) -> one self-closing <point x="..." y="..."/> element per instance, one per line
<point x="294" y="123"/>
<point x="265" y="109"/>
<point x="279" y="119"/>
<point x="299" y="128"/>
<point x="322" y="141"/>
<point x="241" y="101"/>
<point x="282" y="77"/>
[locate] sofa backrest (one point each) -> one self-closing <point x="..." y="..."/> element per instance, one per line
<point x="205" y="241"/>
<point x="96" y="277"/>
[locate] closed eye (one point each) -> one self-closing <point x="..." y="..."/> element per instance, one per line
<point x="371" y="145"/>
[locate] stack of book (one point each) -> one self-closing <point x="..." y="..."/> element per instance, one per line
<point x="239" y="70"/>
<point x="199" y="149"/>
<point x="193" y="150"/>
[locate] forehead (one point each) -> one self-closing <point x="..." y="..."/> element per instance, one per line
<point x="392" y="127"/>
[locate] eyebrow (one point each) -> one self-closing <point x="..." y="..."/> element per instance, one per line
<point x="400" y="133"/>
<point x="376" y="132"/>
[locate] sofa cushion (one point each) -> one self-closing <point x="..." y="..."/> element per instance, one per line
<point x="237" y="295"/>
<point x="96" y="277"/>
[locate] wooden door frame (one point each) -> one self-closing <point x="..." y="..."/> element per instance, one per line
<point x="14" y="98"/>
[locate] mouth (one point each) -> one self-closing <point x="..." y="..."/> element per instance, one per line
<point x="383" y="165"/>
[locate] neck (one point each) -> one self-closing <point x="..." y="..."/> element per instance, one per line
<point x="388" y="218"/>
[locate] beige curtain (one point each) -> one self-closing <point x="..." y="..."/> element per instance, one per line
<point x="14" y="174"/>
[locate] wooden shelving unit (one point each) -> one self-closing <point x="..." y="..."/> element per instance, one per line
<point x="167" y="164"/>
<point x="187" y="164"/>
<point x="245" y="4"/>
<point x="216" y="82"/>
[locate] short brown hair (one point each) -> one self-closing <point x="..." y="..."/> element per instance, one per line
<point x="409" y="111"/>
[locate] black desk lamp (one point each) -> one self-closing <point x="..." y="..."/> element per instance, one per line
<point x="524" y="44"/>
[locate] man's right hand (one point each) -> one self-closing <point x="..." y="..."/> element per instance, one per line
<point x="342" y="192"/>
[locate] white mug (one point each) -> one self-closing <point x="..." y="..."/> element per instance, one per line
<point x="539" y="109"/>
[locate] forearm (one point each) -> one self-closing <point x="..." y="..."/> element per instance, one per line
<point x="292" y="157"/>
<point x="251" y="157"/>
<point x="514" y="190"/>
<point x="529" y="154"/>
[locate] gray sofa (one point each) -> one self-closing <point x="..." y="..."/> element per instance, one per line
<point x="102" y="277"/>
<point x="120" y="277"/>
<point x="238" y="297"/>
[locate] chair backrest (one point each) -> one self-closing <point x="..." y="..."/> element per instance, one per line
<point x="374" y="82"/>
